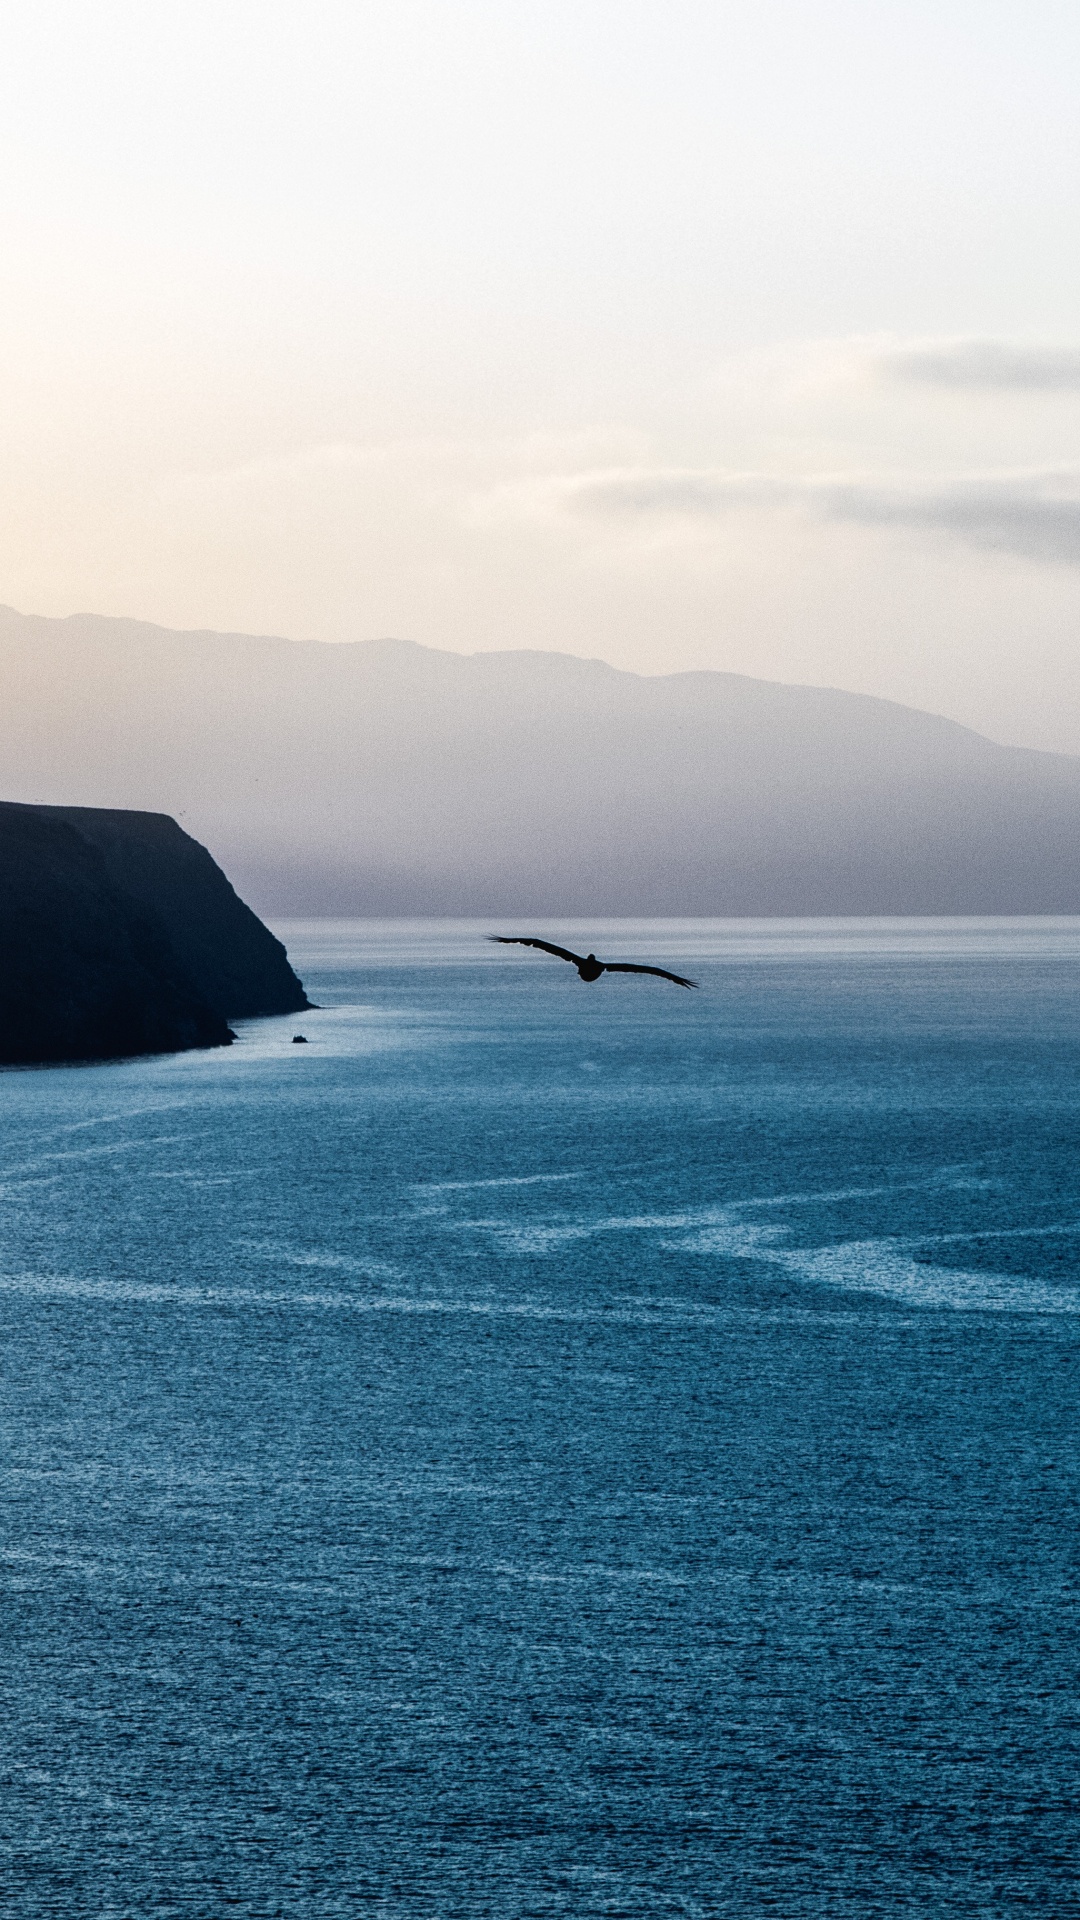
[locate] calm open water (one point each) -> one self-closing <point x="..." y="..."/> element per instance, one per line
<point x="554" y="1450"/>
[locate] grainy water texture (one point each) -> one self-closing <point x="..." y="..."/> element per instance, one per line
<point x="555" y="1450"/>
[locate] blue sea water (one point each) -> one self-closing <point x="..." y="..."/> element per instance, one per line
<point x="547" y="1450"/>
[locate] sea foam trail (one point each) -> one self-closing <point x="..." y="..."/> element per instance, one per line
<point x="71" y="1287"/>
<point x="878" y="1266"/>
<point x="883" y="1267"/>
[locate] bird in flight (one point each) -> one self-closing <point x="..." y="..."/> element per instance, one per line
<point x="588" y="966"/>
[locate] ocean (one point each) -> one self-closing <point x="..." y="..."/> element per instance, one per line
<point x="554" y="1450"/>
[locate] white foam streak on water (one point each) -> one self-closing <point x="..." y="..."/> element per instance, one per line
<point x="27" y="1168"/>
<point x="867" y="1266"/>
<point x="70" y="1287"/>
<point x="367" y="1269"/>
<point x="885" y="1267"/>
<point x="872" y="1266"/>
<point x="507" y="1180"/>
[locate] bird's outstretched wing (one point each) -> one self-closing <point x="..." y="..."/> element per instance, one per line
<point x="627" y="966"/>
<point x="512" y="940"/>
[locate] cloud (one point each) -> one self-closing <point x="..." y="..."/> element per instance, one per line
<point x="1027" y="518"/>
<point x="983" y="366"/>
<point x="1031" y="513"/>
<point x="681" y="491"/>
<point x="1035" y="515"/>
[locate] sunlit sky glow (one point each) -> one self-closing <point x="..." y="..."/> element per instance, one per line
<point x="685" y="335"/>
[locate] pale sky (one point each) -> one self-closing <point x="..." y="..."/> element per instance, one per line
<point x="685" y="335"/>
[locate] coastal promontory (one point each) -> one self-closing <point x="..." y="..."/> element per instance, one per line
<point x="120" y="935"/>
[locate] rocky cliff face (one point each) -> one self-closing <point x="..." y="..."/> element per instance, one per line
<point x="120" y="935"/>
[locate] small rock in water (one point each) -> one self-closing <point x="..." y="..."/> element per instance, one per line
<point x="299" y="1039"/>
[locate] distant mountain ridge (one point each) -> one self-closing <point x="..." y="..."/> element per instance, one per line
<point x="382" y="777"/>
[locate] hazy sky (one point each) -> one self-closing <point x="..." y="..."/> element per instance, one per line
<point x="726" y="335"/>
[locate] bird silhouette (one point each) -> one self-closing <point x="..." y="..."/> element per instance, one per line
<point x="588" y="966"/>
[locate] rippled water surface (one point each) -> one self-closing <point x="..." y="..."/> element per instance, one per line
<point x="554" y="1450"/>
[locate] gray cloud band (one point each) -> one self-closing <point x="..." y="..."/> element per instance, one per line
<point x="984" y="366"/>
<point x="1034" y="526"/>
<point x="1036" y="516"/>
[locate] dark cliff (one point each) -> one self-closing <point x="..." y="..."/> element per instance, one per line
<point x="120" y="935"/>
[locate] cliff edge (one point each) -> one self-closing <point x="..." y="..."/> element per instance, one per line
<point x="120" y="935"/>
